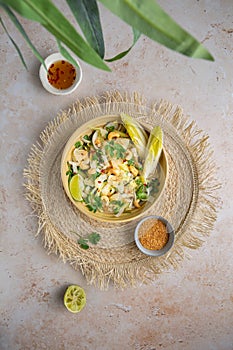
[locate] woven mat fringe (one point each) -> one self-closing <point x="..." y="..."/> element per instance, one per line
<point x="199" y="223"/>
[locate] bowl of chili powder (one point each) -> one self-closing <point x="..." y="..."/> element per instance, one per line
<point x="154" y="235"/>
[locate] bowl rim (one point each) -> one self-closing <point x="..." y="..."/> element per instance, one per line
<point x="169" y="244"/>
<point x="82" y="129"/>
<point x="43" y="75"/>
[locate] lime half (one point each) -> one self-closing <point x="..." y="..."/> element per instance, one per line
<point x="75" y="188"/>
<point x="74" y="298"/>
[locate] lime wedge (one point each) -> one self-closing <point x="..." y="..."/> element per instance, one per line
<point x="75" y="188"/>
<point x="74" y="298"/>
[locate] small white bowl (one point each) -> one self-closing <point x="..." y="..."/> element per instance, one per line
<point x="44" y="80"/>
<point x="166" y="248"/>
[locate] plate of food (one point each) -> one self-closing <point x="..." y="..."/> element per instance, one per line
<point x="114" y="168"/>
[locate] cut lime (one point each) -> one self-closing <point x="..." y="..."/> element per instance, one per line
<point x="74" y="298"/>
<point x="75" y="188"/>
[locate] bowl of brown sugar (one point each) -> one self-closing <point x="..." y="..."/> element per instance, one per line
<point x="154" y="235"/>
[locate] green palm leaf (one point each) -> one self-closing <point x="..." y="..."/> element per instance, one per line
<point x="46" y="13"/>
<point x="136" y="36"/>
<point x="66" y="54"/>
<point x="14" y="43"/>
<point x="86" y="13"/>
<point x="150" y="19"/>
<point x="24" y="34"/>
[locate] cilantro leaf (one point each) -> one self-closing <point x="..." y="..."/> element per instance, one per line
<point x="78" y="144"/>
<point x="120" y="151"/>
<point x="93" y="238"/>
<point x="110" y="128"/>
<point x="83" y="242"/>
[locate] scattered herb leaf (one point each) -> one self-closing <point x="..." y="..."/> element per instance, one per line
<point x="83" y="243"/>
<point x="78" y="144"/>
<point x="110" y="128"/>
<point x="92" y="238"/>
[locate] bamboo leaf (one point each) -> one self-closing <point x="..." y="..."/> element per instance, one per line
<point x="14" y="43"/>
<point x="136" y="36"/>
<point x="24" y="34"/>
<point x="150" y="19"/>
<point x="86" y="13"/>
<point x="46" y="13"/>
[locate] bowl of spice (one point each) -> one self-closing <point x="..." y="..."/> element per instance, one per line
<point x="61" y="77"/>
<point x="154" y="235"/>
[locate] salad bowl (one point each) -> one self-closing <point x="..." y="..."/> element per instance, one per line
<point x="104" y="173"/>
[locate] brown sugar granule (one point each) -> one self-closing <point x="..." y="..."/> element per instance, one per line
<point x="153" y="234"/>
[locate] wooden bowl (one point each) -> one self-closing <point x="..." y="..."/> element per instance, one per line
<point x="87" y="128"/>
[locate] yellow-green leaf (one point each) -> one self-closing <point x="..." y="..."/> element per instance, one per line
<point x="153" y="152"/>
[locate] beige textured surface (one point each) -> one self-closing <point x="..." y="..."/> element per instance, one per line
<point x="190" y="308"/>
<point x="189" y="199"/>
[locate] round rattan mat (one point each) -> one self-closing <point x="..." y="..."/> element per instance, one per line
<point x="186" y="201"/>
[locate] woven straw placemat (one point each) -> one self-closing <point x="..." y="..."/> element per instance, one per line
<point x="188" y="200"/>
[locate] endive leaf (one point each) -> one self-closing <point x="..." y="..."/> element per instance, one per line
<point x="86" y="13"/>
<point x="150" y="19"/>
<point x="136" y="36"/>
<point x="14" y="43"/>
<point x="153" y="153"/>
<point x="24" y="34"/>
<point x="46" y="13"/>
<point x="136" y="133"/>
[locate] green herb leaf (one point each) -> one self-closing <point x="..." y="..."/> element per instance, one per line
<point x="93" y="203"/>
<point x="109" y="149"/>
<point x="142" y="193"/>
<point x="83" y="242"/>
<point x="93" y="238"/>
<point x="86" y="13"/>
<point x="78" y="144"/>
<point x="94" y="176"/>
<point x="110" y="128"/>
<point x="131" y="162"/>
<point x="116" y="206"/>
<point x="120" y="151"/>
<point x="150" y="19"/>
<point x="87" y="138"/>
